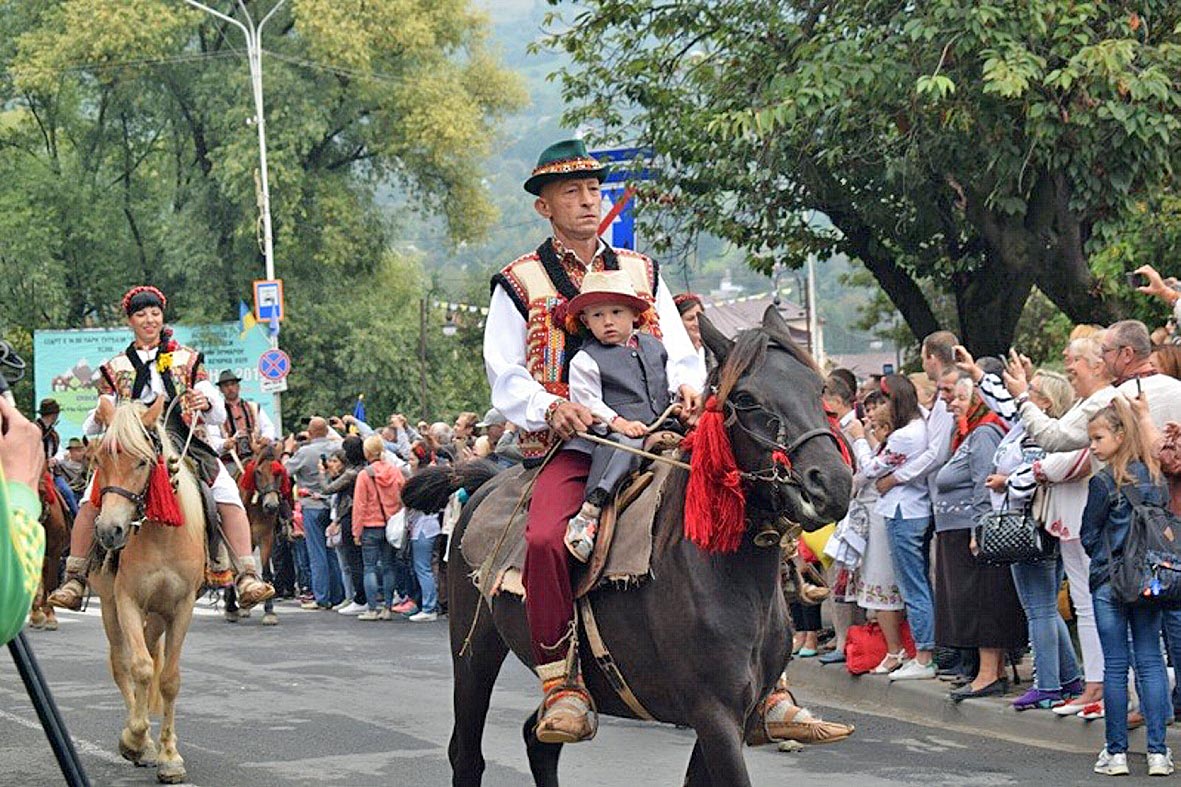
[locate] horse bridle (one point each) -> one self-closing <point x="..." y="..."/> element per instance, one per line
<point x="138" y="499"/>
<point x="778" y="471"/>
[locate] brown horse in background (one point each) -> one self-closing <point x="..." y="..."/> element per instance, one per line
<point x="55" y="518"/>
<point x="262" y="491"/>
<point x="149" y="581"/>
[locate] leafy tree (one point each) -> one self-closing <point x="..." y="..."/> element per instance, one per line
<point x="984" y="147"/>
<point x="127" y="156"/>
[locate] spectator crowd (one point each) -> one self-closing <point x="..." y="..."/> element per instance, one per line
<point x="938" y="452"/>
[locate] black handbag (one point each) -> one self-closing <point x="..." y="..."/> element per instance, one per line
<point x="1148" y="570"/>
<point x="1012" y="536"/>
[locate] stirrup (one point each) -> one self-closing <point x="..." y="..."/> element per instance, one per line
<point x="580" y="536"/>
<point x="65" y="597"/>
<point x="567" y="715"/>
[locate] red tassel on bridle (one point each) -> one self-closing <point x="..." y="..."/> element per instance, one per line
<point x="160" y="502"/>
<point x="715" y="503"/>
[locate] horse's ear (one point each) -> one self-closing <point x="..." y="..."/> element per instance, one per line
<point x="152" y="414"/>
<point x="775" y="325"/>
<point x="714" y="339"/>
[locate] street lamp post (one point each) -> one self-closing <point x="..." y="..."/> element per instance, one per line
<point x="253" y="36"/>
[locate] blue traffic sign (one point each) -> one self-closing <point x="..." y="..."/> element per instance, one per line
<point x="630" y="157"/>
<point x="274" y="365"/>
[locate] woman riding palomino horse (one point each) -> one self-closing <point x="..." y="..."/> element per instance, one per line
<point x="705" y="665"/>
<point x="155" y="540"/>
<point x="154" y="366"/>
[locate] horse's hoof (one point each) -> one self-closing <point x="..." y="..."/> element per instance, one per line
<point x="142" y="759"/>
<point x="50" y="625"/>
<point x="232" y="615"/>
<point x="171" y="773"/>
<point x="243" y="613"/>
<point x="270" y="619"/>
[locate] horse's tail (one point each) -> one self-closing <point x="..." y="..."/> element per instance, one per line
<point x="429" y="489"/>
<point x="155" y="698"/>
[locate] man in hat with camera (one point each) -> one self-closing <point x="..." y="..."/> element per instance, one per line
<point x="526" y="354"/>
<point x="245" y="422"/>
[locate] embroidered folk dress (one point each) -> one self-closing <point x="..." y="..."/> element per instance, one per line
<point x="187" y="363"/>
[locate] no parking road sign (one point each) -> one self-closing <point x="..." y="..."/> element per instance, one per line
<point x="274" y="365"/>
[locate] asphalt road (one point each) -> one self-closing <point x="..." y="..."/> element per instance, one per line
<point x="324" y="699"/>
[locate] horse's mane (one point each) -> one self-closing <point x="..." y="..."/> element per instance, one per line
<point x="750" y="347"/>
<point x="127" y="434"/>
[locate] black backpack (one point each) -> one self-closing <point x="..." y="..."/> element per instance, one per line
<point x="1148" y="571"/>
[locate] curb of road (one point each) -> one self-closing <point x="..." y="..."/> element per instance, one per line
<point x="925" y="702"/>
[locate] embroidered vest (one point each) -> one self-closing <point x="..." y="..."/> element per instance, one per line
<point x="119" y="377"/>
<point x="540" y="284"/>
<point x="242" y="418"/>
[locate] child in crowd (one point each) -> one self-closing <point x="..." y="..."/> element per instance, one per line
<point x="620" y="375"/>
<point x="1117" y="440"/>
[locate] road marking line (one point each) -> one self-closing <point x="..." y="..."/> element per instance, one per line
<point x="83" y="746"/>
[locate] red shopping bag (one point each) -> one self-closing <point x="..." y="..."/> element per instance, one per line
<point x="865" y="646"/>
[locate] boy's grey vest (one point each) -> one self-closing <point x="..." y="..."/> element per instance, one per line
<point x="634" y="381"/>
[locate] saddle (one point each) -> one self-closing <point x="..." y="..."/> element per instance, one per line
<point x="623" y="546"/>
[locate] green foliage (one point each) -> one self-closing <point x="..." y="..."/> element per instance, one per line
<point x="985" y="147"/>
<point x="128" y="155"/>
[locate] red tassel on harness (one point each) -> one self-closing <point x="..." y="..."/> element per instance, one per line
<point x="162" y="505"/>
<point x="715" y="504"/>
<point x="246" y="482"/>
<point x="160" y="502"/>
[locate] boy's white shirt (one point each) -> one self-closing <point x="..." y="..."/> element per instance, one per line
<point x="586" y="385"/>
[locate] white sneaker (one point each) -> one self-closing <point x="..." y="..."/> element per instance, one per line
<point x="371" y="614"/>
<point x="424" y="617"/>
<point x="1158" y="764"/>
<point x="352" y="609"/>
<point x="913" y="670"/>
<point x="342" y="605"/>
<point x="1115" y="764"/>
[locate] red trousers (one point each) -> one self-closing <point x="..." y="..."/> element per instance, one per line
<point x="549" y="599"/>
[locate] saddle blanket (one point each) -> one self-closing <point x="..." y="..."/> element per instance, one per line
<point x="623" y="549"/>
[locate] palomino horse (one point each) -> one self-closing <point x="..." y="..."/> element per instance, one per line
<point x="705" y="638"/>
<point x="55" y="518"/>
<point x="262" y="493"/>
<point x="148" y="594"/>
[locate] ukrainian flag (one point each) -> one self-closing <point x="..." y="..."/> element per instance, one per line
<point x="246" y="319"/>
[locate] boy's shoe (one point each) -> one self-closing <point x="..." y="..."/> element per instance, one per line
<point x="370" y="614"/>
<point x="1035" y="698"/>
<point x="407" y="605"/>
<point x="1160" y="764"/>
<point x="353" y="608"/>
<point x="385" y="614"/>
<point x="912" y="670"/>
<point x="1112" y="764"/>
<point x="580" y="532"/>
<point x="309" y="604"/>
<point x="424" y="617"/>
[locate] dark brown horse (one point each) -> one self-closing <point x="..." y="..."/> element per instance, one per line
<point x="55" y="518"/>
<point x="704" y="640"/>
<point x="262" y="491"/>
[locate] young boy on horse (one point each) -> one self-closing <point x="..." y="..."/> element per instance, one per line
<point x="154" y="365"/>
<point x="620" y="375"/>
<point x="526" y="354"/>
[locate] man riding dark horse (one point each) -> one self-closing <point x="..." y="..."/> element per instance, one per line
<point x="527" y="353"/>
